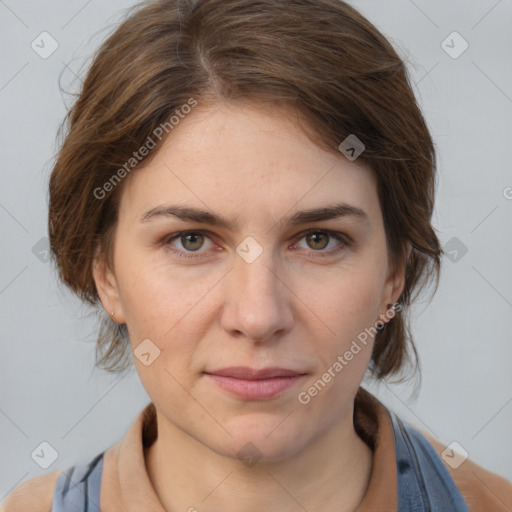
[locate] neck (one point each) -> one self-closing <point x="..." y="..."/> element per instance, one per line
<point x="331" y="473"/>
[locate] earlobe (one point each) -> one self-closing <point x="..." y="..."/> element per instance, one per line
<point x="399" y="279"/>
<point x="395" y="287"/>
<point x="108" y="292"/>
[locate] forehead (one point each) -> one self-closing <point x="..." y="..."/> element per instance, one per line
<point x="247" y="158"/>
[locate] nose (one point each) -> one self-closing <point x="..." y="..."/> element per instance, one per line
<point x="258" y="303"/>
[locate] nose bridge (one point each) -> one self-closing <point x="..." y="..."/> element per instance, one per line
<point x="257" y="304"/>
<point x="255" y="271"/>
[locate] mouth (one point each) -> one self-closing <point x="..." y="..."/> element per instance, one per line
<point x="252" y="384"/>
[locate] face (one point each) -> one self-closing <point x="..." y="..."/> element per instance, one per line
<point x="266" y="286"/>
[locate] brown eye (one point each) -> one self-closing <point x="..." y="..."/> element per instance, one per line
<point x="318" y="240"/>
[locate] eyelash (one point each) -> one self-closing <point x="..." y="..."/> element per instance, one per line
<point x="346" y="242"/>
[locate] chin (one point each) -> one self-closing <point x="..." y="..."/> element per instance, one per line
<point x="267" y="439"/>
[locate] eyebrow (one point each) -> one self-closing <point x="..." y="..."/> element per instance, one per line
<point x="192" y="214"/>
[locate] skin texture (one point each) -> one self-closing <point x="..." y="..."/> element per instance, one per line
<point x="298" y="305"/>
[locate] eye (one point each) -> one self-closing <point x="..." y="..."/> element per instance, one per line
<point x="190" y="241"/>
<point x="319" y="239"/>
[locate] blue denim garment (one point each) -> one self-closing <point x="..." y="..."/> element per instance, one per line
<point x="424" y="484"/>
<point x="78" y="488"/>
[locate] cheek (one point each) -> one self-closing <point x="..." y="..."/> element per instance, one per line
<point x="158" y="299"/>
<point x="348" y="309"/>
<point x="165" y="307"/>
<point x="347" y="300"/>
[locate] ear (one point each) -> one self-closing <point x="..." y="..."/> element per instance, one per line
<point x="394" y="287"/>
<point x="108" y="290"/>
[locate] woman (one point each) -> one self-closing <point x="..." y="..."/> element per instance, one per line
<point x="246" y="188"/>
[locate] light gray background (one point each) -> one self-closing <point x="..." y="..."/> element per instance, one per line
<point x="49" y="390"/>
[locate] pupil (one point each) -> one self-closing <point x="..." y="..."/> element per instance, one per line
<point x="315" y="235"/>
<point x="187" y="238"/>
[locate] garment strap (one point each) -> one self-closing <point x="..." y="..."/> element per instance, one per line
<point x="424" y="483"/>
<point x="78" y="488"/>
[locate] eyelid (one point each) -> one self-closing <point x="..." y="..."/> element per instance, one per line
<point x="335" y="234"/>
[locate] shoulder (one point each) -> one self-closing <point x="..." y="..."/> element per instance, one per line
<point x="34" y="495"/>
<point x="482" y="489"/>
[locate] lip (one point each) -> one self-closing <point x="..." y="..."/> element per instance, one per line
<point x="246" y="373"/>
<point x="255" y="384"/>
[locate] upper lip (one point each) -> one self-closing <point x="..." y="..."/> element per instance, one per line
<point x="246" y="373"/>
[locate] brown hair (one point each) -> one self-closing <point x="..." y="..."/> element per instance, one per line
<point x="321" y="57"/>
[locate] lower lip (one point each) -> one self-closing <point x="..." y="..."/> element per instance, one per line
<point x="255" y="389"/>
